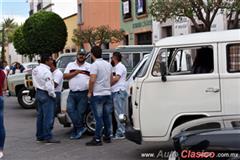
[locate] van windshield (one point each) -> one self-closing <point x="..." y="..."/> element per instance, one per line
<point x="146" y="65"/>
<point x="138" y="68"/>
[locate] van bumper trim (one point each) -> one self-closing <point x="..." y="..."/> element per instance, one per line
<point x="133" y="134"/>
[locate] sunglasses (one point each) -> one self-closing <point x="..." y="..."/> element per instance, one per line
<point x="80" y="56"/>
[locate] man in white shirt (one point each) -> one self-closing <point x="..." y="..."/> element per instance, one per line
<point x="119" y="92"/>
<point x="45" y="97"/>
<point x="58" y="84"/>
<point x="78" y="75"/>
<point x="100" y="94"/>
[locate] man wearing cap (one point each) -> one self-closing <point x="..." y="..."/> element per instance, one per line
<point x="45" y="97"/>
<point x="77" y="73"/>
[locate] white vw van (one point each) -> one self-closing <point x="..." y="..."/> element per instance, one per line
<point x="187" y="77"/>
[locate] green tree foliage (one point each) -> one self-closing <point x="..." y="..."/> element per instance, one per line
<point x="97" y="36"/>
<point x="7" y="29"/>
<point x="232" y="8"/>
<point x="203" y="11"/>
<point x="20" y="44"/>
<point x="45" y="33"/>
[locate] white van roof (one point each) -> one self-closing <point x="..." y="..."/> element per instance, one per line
<point x="204" y="37"/>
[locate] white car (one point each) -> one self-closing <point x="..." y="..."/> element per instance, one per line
<point x="16" y="86"/>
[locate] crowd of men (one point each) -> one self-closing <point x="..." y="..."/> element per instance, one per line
<point x="100" y="83"/>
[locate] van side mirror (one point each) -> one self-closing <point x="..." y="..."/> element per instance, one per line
<point x="163" y="70"/>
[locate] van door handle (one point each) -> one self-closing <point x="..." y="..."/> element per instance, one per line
<point x="136" y="104"/>
<point x="214" y="90"/>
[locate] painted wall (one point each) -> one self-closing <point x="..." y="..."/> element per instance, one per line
<point x="136" y="25"/>
<point x="183" y="26"/>
<point x="71" y="23"/>
<point x="12" y="55"/>
<point x="64" y="8"/>
<point x="100" y="12"/>
<point x="61" y="7"/>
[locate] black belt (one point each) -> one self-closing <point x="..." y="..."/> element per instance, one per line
<point x="120" y="91"/>
<point x="78" y="91"/>
<point x="41" y="90"/>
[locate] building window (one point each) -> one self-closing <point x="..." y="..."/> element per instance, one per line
<point x="233" y="57"/>
<point x="125" y="40"/>
<point x="67" y="51"/>
<point x="30" y="12"/>
<point x="140" y="7"/>
<point x="80" y="13"/>
<point x="231" y="24"/>
<point x="166" y="31"/>
<point x="126" y="9"/>
<point x="144" y="38"/>
<point x="74" y="50"/>
<point x="194" y="30"/>
<point x="39" y="6"/>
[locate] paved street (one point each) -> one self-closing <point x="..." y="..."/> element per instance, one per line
<point x="21" y="145"/>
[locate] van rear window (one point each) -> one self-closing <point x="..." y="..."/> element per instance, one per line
<point x="233" y="58"/>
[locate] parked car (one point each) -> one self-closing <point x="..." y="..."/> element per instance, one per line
<point x="187" y="77"/>
<point x="16" y="86"/>
<point x="216" y="137"/>
<point x="89" y="118"/>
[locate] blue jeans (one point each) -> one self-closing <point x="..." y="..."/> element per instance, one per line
<point x="77" y="104"/>
<point x="45" y="115"/>
<point x="57" y="106"/>
<point x="57" y="103"/>
<point x="102" y="110"/>
<point x="2" y="128"/>
<point x="120" y="103"/>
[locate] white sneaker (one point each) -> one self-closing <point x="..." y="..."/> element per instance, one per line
<point x="1" y="155"/>
<point x="119" y="137"/>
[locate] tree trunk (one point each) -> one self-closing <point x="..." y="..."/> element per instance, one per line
<point x="236" y="20"/>
<point x="30" y="57"/>
<point x="3" y="45"/>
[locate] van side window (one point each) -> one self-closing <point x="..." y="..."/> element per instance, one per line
<point x="203" y="62"/>
<point x="182" y="61"/>
<point x="161" y="57"/>
<point x="195" y="60"/>
<point x="136" y="59"/>
<point x="127" y="61"/>
<point x="233" y="58"/>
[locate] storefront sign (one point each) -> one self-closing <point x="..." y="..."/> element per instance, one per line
<point x="142" y="24"/>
